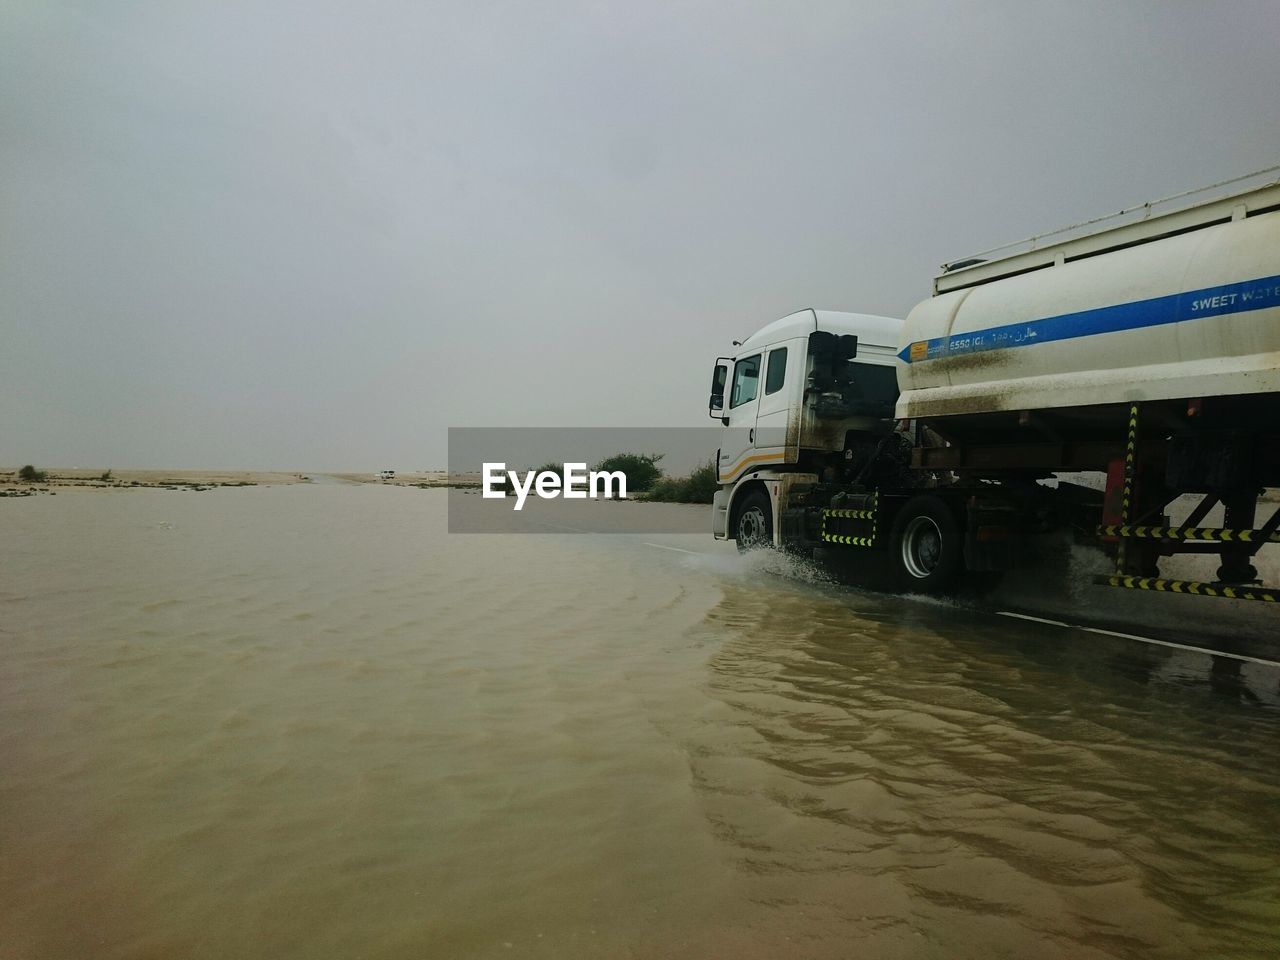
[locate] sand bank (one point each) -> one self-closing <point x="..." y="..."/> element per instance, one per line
<point x="425" y="478"/>
<point x="85" y="478"/>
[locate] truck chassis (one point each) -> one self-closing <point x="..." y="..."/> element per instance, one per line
<point x="977" y="508"/>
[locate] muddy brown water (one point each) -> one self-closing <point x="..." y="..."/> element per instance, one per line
<point x="306" y="722"/>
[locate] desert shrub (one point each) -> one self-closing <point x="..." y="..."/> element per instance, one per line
<point x="641" y="470"/>
<point x="698" y="487"/>
<point x="30" y="474"/>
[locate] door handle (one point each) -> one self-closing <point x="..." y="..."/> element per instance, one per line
<point x="751" y="435"/>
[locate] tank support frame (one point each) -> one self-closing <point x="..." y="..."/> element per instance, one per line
<point x="1140" y="544"/>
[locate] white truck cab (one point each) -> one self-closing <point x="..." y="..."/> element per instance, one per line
<point x="786" y="399"/>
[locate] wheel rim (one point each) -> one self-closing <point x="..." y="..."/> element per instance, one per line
<point x="751" y="527"/>
<point x="921" y="547"/>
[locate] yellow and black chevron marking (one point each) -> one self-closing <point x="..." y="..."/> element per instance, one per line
<point x="1130" y="458"/>
<point x="1126" y="498"/>
<point x="848" y="541"/>
<point x="1193" y="587"/>
<point x="1212" y="534"/>
<point x="851" y="541"/>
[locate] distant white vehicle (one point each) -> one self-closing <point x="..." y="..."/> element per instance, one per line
<point x="386" y="474"/>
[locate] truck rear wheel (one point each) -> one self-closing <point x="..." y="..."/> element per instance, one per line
<point x="925" y="546"/>
<point x="753" y="528"/>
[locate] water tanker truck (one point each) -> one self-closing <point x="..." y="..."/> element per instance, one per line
<point x="1144" y="349"/>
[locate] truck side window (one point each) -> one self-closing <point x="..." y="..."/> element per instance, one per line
<point x="777" y="371"/>
<point x="746" y="380"/>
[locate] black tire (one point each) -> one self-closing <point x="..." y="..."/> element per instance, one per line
<point x="925" y="546"/>
<point x="753" y="522"/>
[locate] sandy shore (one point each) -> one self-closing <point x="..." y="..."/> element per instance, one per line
<point x="426" y="478"/>
<point x="102" y="479"/>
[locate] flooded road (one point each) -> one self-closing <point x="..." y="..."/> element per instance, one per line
<point x="306" y="722"/>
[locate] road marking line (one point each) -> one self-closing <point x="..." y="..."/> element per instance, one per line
<point x="1132" y="636"/>
<point x="663" y="546"/>
<point x="559" y="526"/>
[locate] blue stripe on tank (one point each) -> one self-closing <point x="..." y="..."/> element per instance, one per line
<point x="1175" y="308"/>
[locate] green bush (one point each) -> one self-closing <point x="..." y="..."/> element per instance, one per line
<point x="30" y="474"/>
<point x="698" y="487"/>
<point x="642" y="471"/>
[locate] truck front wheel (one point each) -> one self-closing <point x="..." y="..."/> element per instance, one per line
<point x="925" y="546"/>
<point x="753" y="528"/>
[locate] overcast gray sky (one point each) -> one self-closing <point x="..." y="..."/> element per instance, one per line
<point x="314" y="235"/>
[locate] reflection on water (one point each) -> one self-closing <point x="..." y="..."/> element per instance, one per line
<point x="902" y="771"/>
<point x="305" y="722"/>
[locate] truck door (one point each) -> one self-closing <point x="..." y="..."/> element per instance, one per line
<point x="737" y="443"/>
<point x="776" y="396"/>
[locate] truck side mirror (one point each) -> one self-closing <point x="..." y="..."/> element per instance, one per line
<point x="719" y="377"/>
